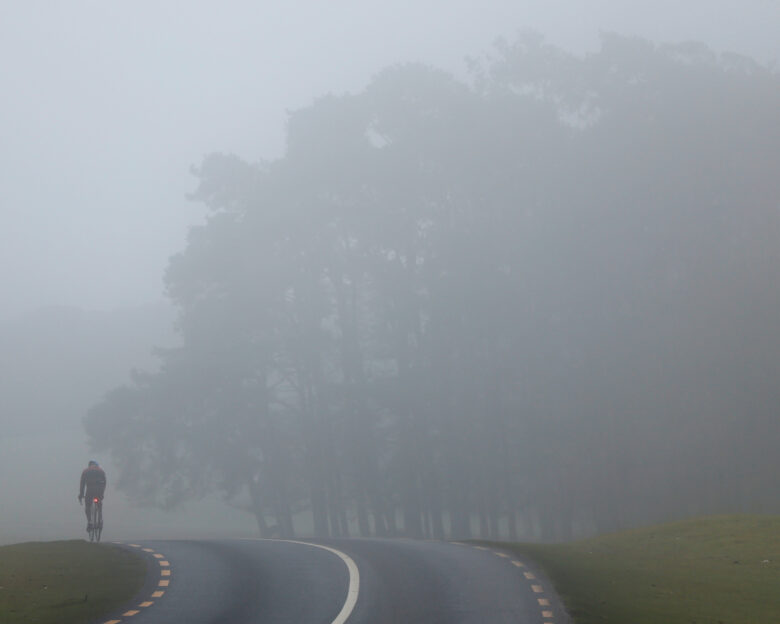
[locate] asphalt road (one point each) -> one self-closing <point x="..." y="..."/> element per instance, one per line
<point x="337" y="581"/>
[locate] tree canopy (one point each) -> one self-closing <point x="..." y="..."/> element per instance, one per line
<point x="542" y="301"/>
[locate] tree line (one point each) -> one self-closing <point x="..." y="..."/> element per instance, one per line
<point x="539" y="301"/>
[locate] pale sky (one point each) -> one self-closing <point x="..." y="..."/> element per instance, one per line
<point x="105" y="105"/>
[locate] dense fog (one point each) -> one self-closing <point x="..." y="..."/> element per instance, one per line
<point x="531" y="294"/>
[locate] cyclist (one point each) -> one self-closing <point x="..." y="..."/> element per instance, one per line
<point x="93" y="485"/>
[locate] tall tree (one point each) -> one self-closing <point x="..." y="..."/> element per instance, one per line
<point x="529" y="304"/>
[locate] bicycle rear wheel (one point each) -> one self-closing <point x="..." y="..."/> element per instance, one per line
<point x="94" y="535"/>
<point x="98" y="520"/>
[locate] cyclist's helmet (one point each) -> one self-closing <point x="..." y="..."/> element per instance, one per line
<point x="92" y="462"/>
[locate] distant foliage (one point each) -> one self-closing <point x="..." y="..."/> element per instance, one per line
<point x="540" y="304"/>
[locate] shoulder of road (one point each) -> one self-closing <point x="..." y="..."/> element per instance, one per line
<point x="711" y="569"/>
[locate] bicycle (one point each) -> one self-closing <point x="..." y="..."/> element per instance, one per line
<point x="95" y="519"/>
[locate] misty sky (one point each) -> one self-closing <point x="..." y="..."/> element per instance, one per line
<point x="105" y="105"/>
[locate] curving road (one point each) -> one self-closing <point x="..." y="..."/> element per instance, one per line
<point x="336" y="581"/>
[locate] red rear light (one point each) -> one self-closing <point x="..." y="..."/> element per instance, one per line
<point x="94" y="500"/>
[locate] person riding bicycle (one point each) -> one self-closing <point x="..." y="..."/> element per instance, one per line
<point x="93" y="485"/>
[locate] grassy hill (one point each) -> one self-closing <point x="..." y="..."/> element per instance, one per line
<point x="65" y="582"/>
<point x="712" y="570"/>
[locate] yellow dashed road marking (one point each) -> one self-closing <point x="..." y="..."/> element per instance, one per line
<point x="498" y="554"/>
<point x="164" y="571"/>
<point x="537" y="589"/>
<point x="481" y="548"/>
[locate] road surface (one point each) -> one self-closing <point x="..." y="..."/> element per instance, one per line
<point x="336" y="582"/>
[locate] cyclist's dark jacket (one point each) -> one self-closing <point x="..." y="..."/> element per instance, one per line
<point x="93" y="479"/>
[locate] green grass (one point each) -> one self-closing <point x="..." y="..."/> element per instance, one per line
<point x="65" y="582"/>
<point x="714" y="570"/>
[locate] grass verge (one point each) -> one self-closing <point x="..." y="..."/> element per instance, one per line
<point x="713" y="570"/>
<point x="65" y="582"/>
